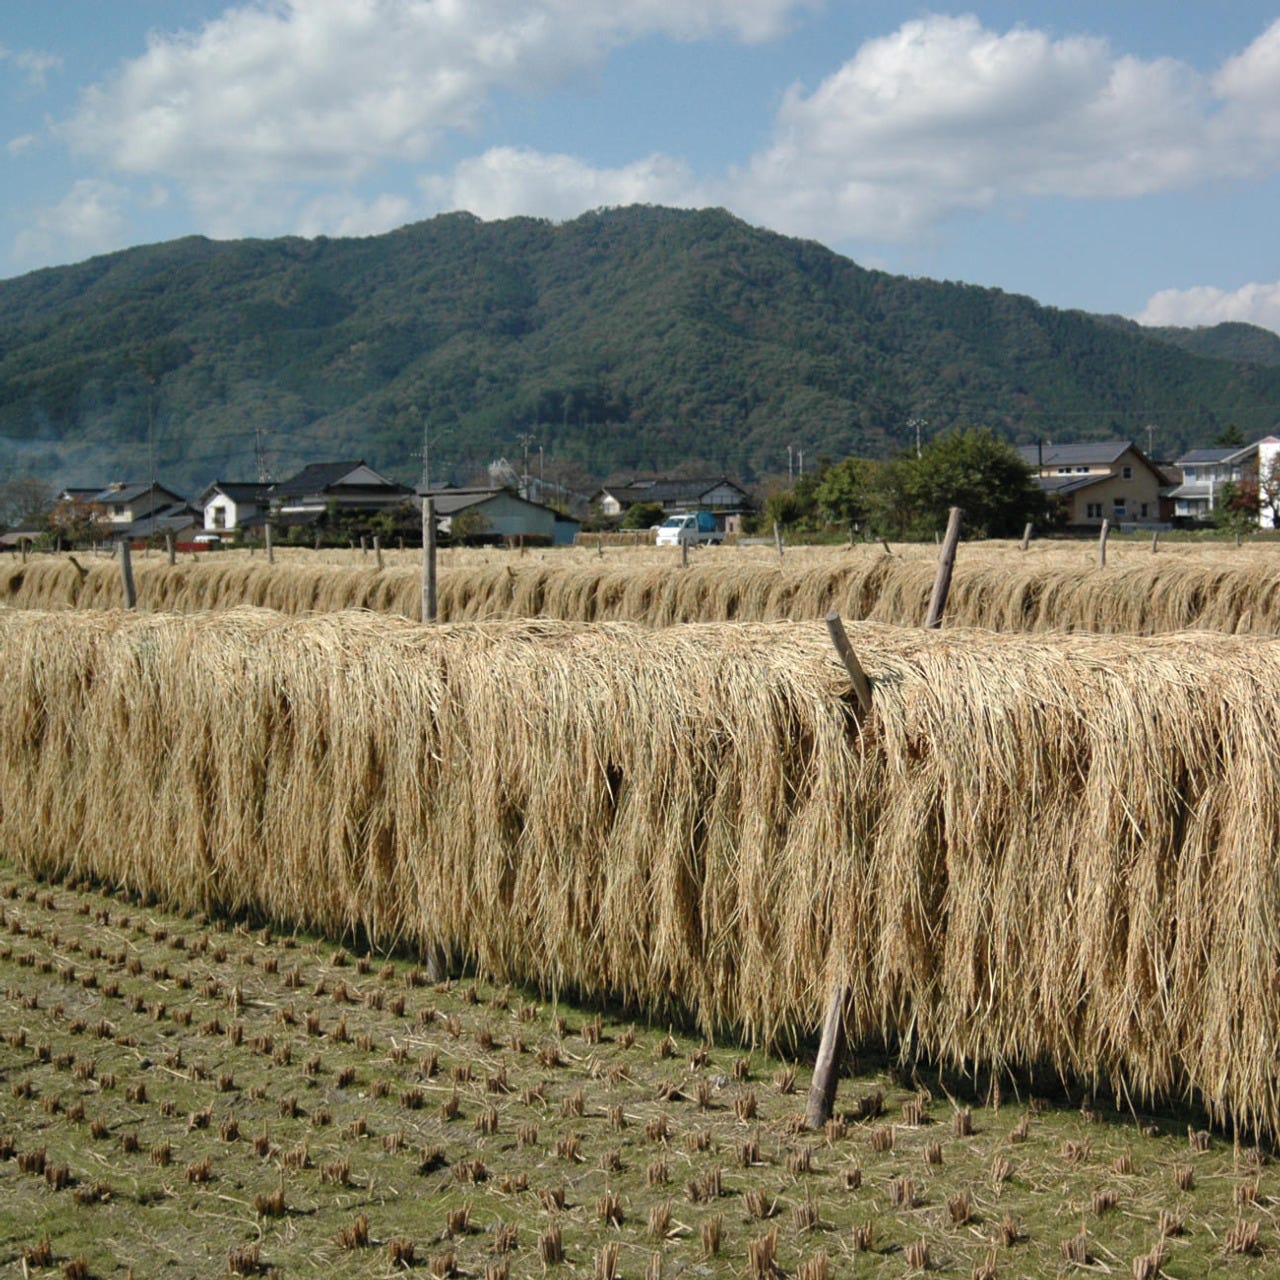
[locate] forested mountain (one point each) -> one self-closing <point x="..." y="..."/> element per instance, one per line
<point x="625" y="339"/>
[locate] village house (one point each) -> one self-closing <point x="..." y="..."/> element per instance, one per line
<point x="229" y="506"/>
<point x="337" y="488"/>
<point x="134" y="511"/>
<point x="1104" y="480"/>
<point x="1206" y="474"/>
<point x="719" y="494"/>
<point x="495" y="513"/>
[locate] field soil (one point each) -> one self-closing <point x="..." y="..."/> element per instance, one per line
<point x="184" y="1096"/>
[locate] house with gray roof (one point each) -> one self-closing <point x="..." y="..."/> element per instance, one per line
<point x="1207" y="472"/>
<point x="344" y="488"/>
<point x="1098" y="480"/>
<point x="229" y="506"/>
<point x="497" y="514"/>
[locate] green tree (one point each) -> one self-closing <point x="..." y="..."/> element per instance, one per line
<point x="643" y="515"/>
<point x="846" y="493"/>
<point x="1236" y="508"/>
<point x="974" y="470"/>
<point x="1230" y="437"/>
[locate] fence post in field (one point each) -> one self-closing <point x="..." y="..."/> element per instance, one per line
<point x="946" y="562"/>
<point x="377" y="551"/>
<point x="777" y="538"/>
<point x="364" y="549"/>
<point x="266" y="536"/>
<point x="1237" y="542"/>
<point x="1026" y="536"/>
<point x="1155" y="541"/>
<point x="888" y="550"/>
<point x="826" y="1068"/>
<point x="600" y="546"/>
<point x="428" y="560"/>
<point x="168" y="547"/>
<point x="126" y="575"/>
<point x="1102" y="544"/>
<point x="23" y="548"/>
<point x="684" y="553"/>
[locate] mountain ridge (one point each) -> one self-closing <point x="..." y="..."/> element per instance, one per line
<point x="638" y="338"/>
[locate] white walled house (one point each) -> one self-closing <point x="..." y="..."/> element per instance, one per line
<point x="230" y="506"/>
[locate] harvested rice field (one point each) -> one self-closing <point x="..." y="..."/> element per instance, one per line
<point x="1053" y="586"/>
<point x="193" y="1096"/>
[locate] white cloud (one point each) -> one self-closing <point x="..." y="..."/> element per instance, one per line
<point x="306" y="90"/>
<point x="505" y="182"/>
<point x="945" y="116"/>
<point x="20" y="145"/>
<point x="1205" y="305"/>
<point x="343" y="214"/>
<point x="89" y="219"/>
<point x="34" y="65"/>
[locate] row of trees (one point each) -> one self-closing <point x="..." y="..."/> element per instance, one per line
<point x="909" y="496"/>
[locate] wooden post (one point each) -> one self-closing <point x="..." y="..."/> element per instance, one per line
<point x="888" y="550"/>
<point x="126" y="575"/>
<point x="271" y="551"/>
<point x="168" y="547"/>
<point x="684" y="553"/>
<point x="831" y="1049"/>
<point x="1102" y="544"/>
<point x="1237" y="542"/>
<point x="858" y="677"/>
<point x="600" y="546"/>
<point x="364" y="550"/>
<point x="25" y="543"/>
<point x="946" y="562"/>
<point x="377" y="551"/>
<point x="1155" y="541"/>
<point x="428" y="560"/>
<point x="317" y="543"/>
<point x="777" y="538"/>
<point x="1026" y="536"/>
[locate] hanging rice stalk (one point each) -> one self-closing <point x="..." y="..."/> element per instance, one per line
<point x="1040" y="850"/>
<point x="1053" y="587"/>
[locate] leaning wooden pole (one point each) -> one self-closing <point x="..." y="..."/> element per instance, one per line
<point x="1026" y="536"/>
<point x="1102" y="544"/>
<point x="271" y="550"/>
<point x="428" y="559"/>
<point x="831" y="1049"/>
<point x="946" y="563"/>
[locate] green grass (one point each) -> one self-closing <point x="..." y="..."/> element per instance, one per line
<point x="186" y="1072"/>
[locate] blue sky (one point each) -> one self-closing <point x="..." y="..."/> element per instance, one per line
<point x="1113" y="157"/>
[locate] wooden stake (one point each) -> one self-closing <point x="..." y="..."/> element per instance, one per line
<point x="826" y="1069"/>
<point x="271" y="551"/>
<point x="428" y="560"/>
<point x="946" y="562"/>
<point x="888" y="550"/>
<point x="1102" y="544"/>
<point x="168" y="547"/>
<point x="858" y="677"/>
<point x="126" y="575"/>
<point x="377" y="551"/>
<point x="777" y="538"/>
<point x="684" y="553"/>
<point x="1155" y="541"/>
<point x="1026" y="536"/>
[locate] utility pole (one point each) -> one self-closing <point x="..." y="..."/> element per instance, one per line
<point x="425" y="453"/>
<point x="260" y="448"/>
<point x="526" y="439"/>
<point x="917" y="423"/>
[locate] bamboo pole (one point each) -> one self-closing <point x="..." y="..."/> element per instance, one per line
<point x="946" y="563"/>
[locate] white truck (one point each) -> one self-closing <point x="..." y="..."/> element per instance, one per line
<point x="691" y="527"/>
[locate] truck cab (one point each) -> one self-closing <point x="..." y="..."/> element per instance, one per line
<point x="692" y="527"/>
